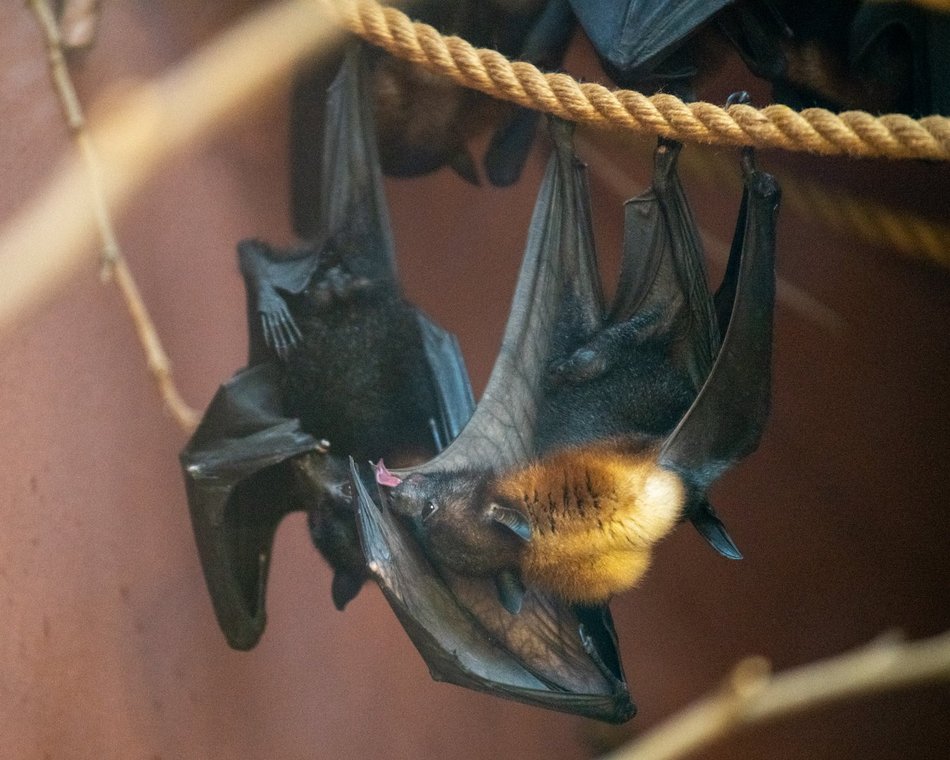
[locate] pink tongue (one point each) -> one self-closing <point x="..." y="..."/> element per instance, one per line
<point x="384" y="477"/>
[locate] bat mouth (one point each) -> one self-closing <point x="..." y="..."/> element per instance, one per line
<point x="384" y="477"/>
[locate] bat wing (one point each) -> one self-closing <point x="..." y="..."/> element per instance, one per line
<point x="543" y="656"/>
<point x="663" y="270"/>
<point x="455" y="402"/>
<point x="307" y="119"/>
<point x="633" y="34"/>
<point x="351" y="188"/>
<point x="725" y="422"/>
<point x="337" y="198"/>
<point x="239" y="486"/>
<point x="558" y="292"/>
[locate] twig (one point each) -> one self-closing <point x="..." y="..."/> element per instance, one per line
<point x="751" y="696"/>
<point x="137" y="133"/>
<point x="78" y="22"/>
<point x="113" y="261"/>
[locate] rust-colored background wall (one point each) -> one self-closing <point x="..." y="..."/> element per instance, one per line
<point x="108" y="645"/>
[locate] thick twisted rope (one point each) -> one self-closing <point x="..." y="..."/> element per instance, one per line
<point x="814" y="130"/>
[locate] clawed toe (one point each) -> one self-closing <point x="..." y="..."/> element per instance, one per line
<point x="280" y="331"/>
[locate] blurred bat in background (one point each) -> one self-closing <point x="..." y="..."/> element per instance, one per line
<point x="845" y="54"/>
<point x="425" y="121"/>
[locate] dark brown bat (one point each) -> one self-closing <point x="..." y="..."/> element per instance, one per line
<point x="257" y="453"/>
<point x="424" y="121"/>
<point x="335" y="353"/>
<point x="596" y="437"/>
<point x="843" y="54"/>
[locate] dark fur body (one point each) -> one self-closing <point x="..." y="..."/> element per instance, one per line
<point x="354" y="372"/>
<point x="633" y="386"/>
<point x="377" y="406"/>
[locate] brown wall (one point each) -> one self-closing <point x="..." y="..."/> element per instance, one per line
<point x="108" y="645"/>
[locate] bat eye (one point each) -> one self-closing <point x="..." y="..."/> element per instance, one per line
<point x="347" y="490"/>
<point x="429" y="509"/>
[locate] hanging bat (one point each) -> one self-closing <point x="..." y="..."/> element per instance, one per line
<point x="607" y="428"/>
<point x="251" y="461"/>
<point x="552" y="653"/>
<point x="897" y="58"/>
<point x="339" y="364"/>
<point x="426" y="121"/>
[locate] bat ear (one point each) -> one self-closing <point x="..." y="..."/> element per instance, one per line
<point x="344" y="588"/>
<point x="513" y="519"/>
<point x="510" y="591"/>
<point x="710" y="527"/>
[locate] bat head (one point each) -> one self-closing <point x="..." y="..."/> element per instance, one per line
<point x="459" y="523"/>
<point x="326" y="481"/>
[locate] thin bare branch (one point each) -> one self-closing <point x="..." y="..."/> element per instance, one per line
<point x="113" y="261"/>
<point x="139" y="130"/>
<point x="750" y="695"/>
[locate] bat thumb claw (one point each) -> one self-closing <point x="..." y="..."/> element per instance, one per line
<point x="711" y="528"/>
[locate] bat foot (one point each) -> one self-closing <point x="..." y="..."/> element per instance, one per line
<point x="740" y="98"/>
<point x="759" y="183"/>
<point x="280" y="330"/>
<point x="747" y="160"/>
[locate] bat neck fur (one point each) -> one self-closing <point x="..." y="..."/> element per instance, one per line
<point x="596" y="511"/>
